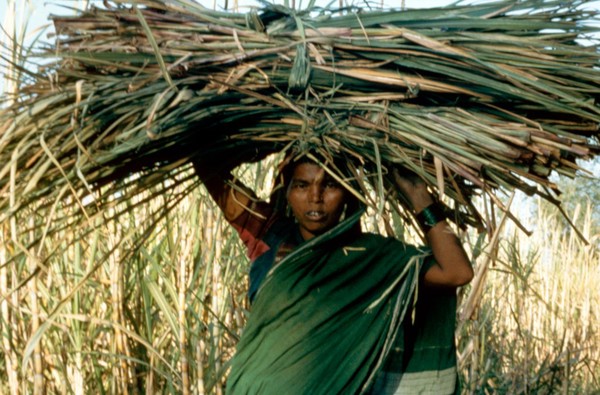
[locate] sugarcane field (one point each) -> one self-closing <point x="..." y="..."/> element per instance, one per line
<point x="299" y="197"/>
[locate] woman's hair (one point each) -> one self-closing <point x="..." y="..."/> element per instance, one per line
<point x="338" y="165"/>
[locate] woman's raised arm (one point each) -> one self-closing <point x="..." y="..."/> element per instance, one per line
<point x="453" y="267"/>
<point x="230" y="195"/>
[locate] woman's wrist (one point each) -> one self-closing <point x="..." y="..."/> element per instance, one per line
<point x="421" y="204"/>
<point x="430" y="215"/>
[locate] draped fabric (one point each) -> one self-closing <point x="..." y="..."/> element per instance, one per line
<point x="424" y="360"/>
<point x="325" y="318"/>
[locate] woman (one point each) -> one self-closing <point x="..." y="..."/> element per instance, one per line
<point x="330" y="302"/>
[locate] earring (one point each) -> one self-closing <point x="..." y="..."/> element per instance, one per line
<point x="343" y="216"/>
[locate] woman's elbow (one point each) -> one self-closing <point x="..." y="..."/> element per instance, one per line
<point x="455" y="278"/>
<point x="464" y="277"/>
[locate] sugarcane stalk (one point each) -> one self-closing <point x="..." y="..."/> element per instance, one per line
<point x="8" y="326"/>
<point x="442" y="91"/>
<point x="37" y="360"/>
<point x="183" y="329"/>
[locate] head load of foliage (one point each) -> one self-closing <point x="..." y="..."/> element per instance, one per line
<point x="474" y="99"/>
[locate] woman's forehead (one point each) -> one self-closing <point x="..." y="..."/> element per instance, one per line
<point x="309" y="170"/>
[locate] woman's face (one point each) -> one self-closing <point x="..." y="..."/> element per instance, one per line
<point x="316" y="199"/>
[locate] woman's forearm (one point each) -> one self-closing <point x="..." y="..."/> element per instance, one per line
<point x="453" y="267"/>
<point x="231" y="201"/>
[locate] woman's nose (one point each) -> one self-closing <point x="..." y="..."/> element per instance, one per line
<point x="315" y="193"/>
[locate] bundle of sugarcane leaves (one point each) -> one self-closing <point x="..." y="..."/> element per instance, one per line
<point x="474" y="99"/>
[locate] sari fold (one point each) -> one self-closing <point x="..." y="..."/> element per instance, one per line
<point x="325" y="318"/>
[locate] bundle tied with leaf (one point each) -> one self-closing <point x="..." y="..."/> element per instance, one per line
<point x="473" y="99"/>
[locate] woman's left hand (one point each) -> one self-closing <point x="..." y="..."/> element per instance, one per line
<point x="413" y="188"/>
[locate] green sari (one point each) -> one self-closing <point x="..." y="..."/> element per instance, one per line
<point x="326" y="317"/>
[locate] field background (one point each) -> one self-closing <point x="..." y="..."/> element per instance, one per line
<point x="164" y="316"/>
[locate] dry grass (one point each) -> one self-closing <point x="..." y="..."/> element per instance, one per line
<point x="536" y="330"/>
<point x="164" y="316"/>
<point x="161" y="316"/>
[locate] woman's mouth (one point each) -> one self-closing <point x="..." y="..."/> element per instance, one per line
<point x="315" y="215"/>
